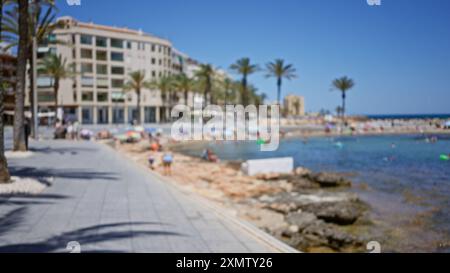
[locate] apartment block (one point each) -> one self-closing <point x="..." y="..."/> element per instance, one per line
<point x="102" y="58"/>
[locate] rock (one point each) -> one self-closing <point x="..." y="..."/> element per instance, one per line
<point x="263" y="218"/>
<point x="340" y="208"/>
<point x="300" y="183"/>
<point x="294" y="229"/>
<point x="329" y="180"/>
<point x="300" y="171"/>
<point x="301" y="219"/>
<point x="268" y="176"/>
<point x="341" y="213"/>
<point x="315" y="233"/>
<point x="283" y="207"/>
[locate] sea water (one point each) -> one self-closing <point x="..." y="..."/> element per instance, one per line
<point x="404" y="173"/>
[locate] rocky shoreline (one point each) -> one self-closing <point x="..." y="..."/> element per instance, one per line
<point x="313" y="212"/>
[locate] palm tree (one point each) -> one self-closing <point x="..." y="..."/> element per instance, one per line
<point x="4" y="173"/>
<point x="229" y="90"/>
<point x="245" y="68"/>
<point x="183" y="83"/>
<point x="254" y="97"/>
<point x="136" y="83"/>
<point x="205" y="79"/>
<point x="165" y="86"/>
<point x="41" y="25"/>
<point x="279" y="70"/>
<point x="19" y="117"/>
<point x="56" y="67"/>
<point x="343" y="84"/>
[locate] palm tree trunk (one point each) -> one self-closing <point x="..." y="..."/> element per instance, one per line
<point x="4" y="173"/>
<point x="207" y="91"/>
<point x="56" y="90"/>
<point x="186" y="95"/>
<point x="138" y="93"/>
<point x="225" y="101"/>
<point x="343" y="106"/>
<point x="279" y="91"/>
<point x="19" y="117"/>
<point x="31" y="91"/>
<point x="244" y="97"/>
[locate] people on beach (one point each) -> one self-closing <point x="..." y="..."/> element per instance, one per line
<point x="210" y="156"/>
<point x="167" y="160"/>
<point x="75" y="130"/>
<point x="154" y="146"/>
<point x="151" y="162"/>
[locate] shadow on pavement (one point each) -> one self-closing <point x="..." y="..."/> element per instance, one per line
<point x="84" y="236"/>
<point x="61" y="150"/>
<point x="42" y="173"/>
<point x="26" y="199"/>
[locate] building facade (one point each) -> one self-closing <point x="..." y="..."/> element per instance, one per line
<point x="294" y="106"/>
<point x="102" y="58"/>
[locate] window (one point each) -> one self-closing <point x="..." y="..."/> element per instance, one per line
<point x="149" y="114"/>
<point x="117" y="70"/>
<point x="102" y="69"/>
<point x="87" y="115"/>
<point x="153" y="61"/>
<point x="133" y="113"/>
<point x="87" y="96"/>
<point x="153" y="73"/>
<point x="86" y="39"/>
<point x="116" y="43"/>
<point x="101" y="42"/>
<point x="102" y="83"/>
<point x="44" y="81"/>
<point x="87" y="81"/>
<point x="153" y="48"/>
<point x="129" y="45"/>
<point x="86" y="68"/>
<point x="102" y="115"/>
<point x="117" y="56"/>
<point x="118" y="115"/>
<point x="102" y="97"/>
<point x="86" y="54"/>
<point x="115" y="83"/>
<point x="102" y="55"/>
<point x="46" y="96"/>
<point x="118" y="97"/>
<point x="160" y="62"/>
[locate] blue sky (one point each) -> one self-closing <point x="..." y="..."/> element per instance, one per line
<point x="397" y="53"/>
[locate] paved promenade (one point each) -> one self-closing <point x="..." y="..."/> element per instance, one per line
<point x="109" y="204"/>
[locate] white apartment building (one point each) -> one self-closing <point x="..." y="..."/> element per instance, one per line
<point x="103" y="57"/>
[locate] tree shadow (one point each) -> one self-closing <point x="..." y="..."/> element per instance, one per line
<point x="61" y="150"/>
<point x="12" y="219"/>
<point x="28" y="199"/>
<point x="43" y="173"/>
<point x="87" y="236"/>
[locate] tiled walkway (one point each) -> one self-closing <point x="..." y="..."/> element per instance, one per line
<point x="108" y="204"/>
